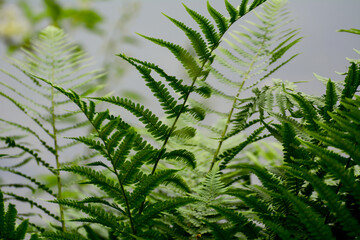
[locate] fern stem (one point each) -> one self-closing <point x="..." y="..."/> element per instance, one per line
<point x="118" y="178"/>
<point x="126" y="202"/>
<point x="56" y="148"/>
<point x="246" y="77"/>
<point x="162" y="149"/>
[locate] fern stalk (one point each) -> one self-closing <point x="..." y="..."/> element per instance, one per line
<point x="117" y="175"/>
<point x="246" y="77"/>
<point x="56" y="153"/>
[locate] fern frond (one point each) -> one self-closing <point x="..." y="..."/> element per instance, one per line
<point x="12" y="144"/>
<point x="352" y="82"/>
<point x="153" y="210"/>
<point x="177" y="85"/>
<point x="33" y="203"/>
<point x="98" y="214"/>
<point x="221" y="22"/>
<point x="347" y="221"/>
<point x="229" y="154"/>
<point x="123" y="150"/>
<point x="308" y="110"/>
<point x="348" y="146"/>
<point x="130" y="169"/>
<point x="195" y="38"/>
<point x="243" y="224"/>
<point x="206" y="26"/>
<point x="151" y="121"/>
<point x="347" y="126"/>
<point x="330" y="99"/>
<point x="233" y="12"/>
<point x="182" y="55"/>
<point x="335" y="163"/>
<point x="182" y="155"/>
<point x="31" y="179"/>
<point x="63" y="236"/>
<point x="311" y="219"/>
<point x="98" y="179"/>
<point x="102" y="201"/>
<point x="146" y="185"/>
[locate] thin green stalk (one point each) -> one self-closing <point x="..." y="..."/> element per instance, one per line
<point x="161" y="152"/>
<point x="57" y="172"/>
<point x="120" y="183"/>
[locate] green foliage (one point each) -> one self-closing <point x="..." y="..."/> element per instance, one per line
<point x="8" y="228"/>
<point x="169" y="179"/>
<point x="51" y="57"/>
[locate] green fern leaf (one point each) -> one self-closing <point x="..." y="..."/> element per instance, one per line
<point x="345" y="218"/>
<point x="21" y="230"/>
<point x="311" y="219"/>
<point x="63" y="236"/>
<point x="151" y="121"/>
<point x="102" y="201"/>
<point x="93" y="144"/>
<point x="348" y="146"/>
<point x="99" y="119"/>
<point x="33" y="203"/>
<point x="113" y="142"/>
<point x="242" y="223"/>
<point x="130" y="169"/>
<point x="221" y="22"/>
<point x="107" y="129"/>
<point x="335" y="164"/>
<point x="233" y="12"/>
<point x="352" y="82"/>
<point x="98" y="179"/>
<point x="12" y="144"/>
<point x="153" y="210"/>
<point x="206" y="26"/>
<point x="243" y="8"/>
<point x="347" y="126"/>
<point x="330" y="99"/>
<point x="308" y="110"/>
<point x="229" y="154"/>
<point x="177" y="85"/>
<point x="31" y="179"/>
<point x="217" y="231"/>
<point x="184" y="57"/>
<point x="255" y="4"/>
<point x="146" y="185"/>
<point x="168" y="103"/>
<point x="182" y="155"/>
<point x="196" y="40"/>
<point x="123" y="150"/>
<point x="99" y="214"/>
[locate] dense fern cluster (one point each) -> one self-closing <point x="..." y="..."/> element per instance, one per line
<point x="171" y="180"/>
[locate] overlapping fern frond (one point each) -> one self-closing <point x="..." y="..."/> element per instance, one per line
<point x="315" y="192"/>
<point x="252" y="56"/>
<point x="51" y="116"/>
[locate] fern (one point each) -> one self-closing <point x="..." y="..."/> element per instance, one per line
<point x="8" y="228"/>
<point x="52" y="57"/>
<point x="258" y="51"/>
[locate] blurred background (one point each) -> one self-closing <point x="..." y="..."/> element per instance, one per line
<point x="105" y="28"/>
